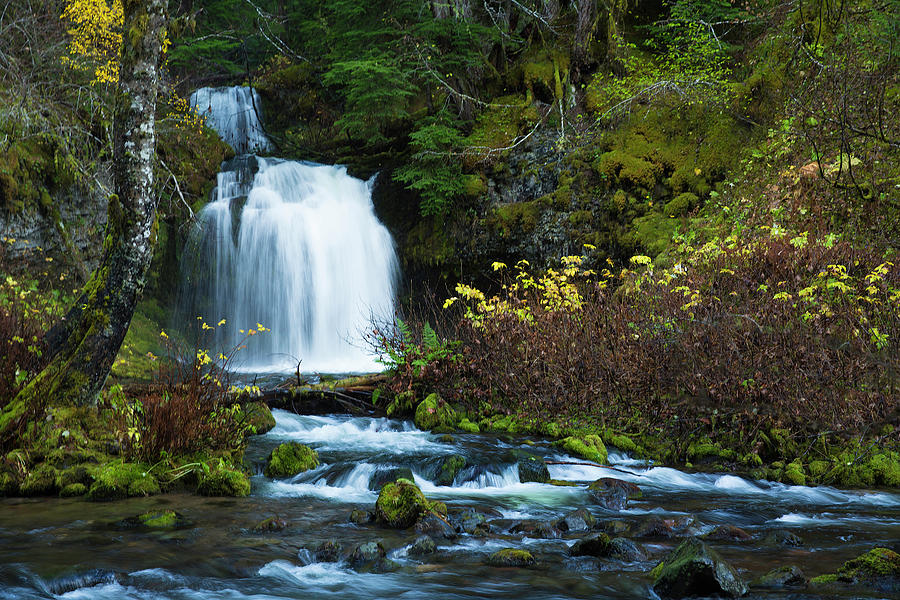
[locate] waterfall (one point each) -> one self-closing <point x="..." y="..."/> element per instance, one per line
<point x="233" y="112"/>
<point x="297" y="248"/>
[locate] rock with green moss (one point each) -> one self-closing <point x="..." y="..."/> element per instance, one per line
<point x="468" y="426"/>
<point x="694" y="569"/>
<point x="40" y="482"/>
<point x="511" y="557"/>
<point x="622" y="442"/>
<point x="157" y="519"/>
<point x="433" y="412"/>
<point x="578" y="520"/>
<point x="595" y="544"/>
<point x="787" y="576"/>
<point x="260" y="417"/>
<point x="450" y="466"/>
<point x="117" y="480"/>
<point x="400" y="504"/>
<point x="224" y="481"/>
<point x="73" y="490"/>
<point x="878" y="568"/>
<point x="270" y="525"/>
<point x="531" y="467"/>
<point x="370" y="557"/>
<point x="290" y="459"/>
<point x="793" y="473"/>
<point x="589" y="446"/>
<point x="77" y="474"/>
<point x="551" y="429"/>
<point x="389" y="475"/>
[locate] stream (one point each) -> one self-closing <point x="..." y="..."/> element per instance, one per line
<point x="73" y="549"/>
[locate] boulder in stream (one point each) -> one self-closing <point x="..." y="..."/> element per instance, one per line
<point x="259" y="415"/>
<point x="787" y="576"/>
<point x="289" y="459"/>
<point x="224" y="482"/>
<point x="589" y="447"/>
<point x="370" y="557"/>
<point x="389" y="475"/>
<point x="434" y="412"/>
<point x="535" y="529"/>
<point x="694" y="569"/>
<point x="450" y="466"/>
<point x="613" y="493"/>
<point x="878" y="568"/>
<point x="331" y="551"/>
<point x="576" y="521"/>
<point x="400" y="504"/>
<point x="361" y="517"/>
<point x="511" y="557"/>
<point x="595" y="544"/>
<point x="422" y="546"/>
<point x="270" y="525"/>
<point x="782" y="537"/>
<point x="434" y="525"/>
<point x="625" y="550"/>
<point x="728" y="533"/>
<point x="472" y="522"/>
<point x="531" y="467"/>
<point x="157" y="519"/>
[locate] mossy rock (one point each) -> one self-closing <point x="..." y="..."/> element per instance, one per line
<point x="622" y="442"/>
<point x="793" y="474"/>
<point x="224" y="481"/>
<point x="694" y="569"/>
<point x="681" y="204"/>
<point x="40" y="482"/>
<point x="117" y="480"/>
<point x="886" y="468"/>
<point x="259" y="416"/>
<point x="511" y="557"/>
<point x="77" y="474"/>
<point x="433" y="412"/>
<point x="531" y="467"/>
<point x="9" y="486"/>
<point x="595" y="544"/>
<point x="787" y="576"/>
<point x="400" y="504"/>
<point x="290" y="459"/>
<point x="878" y="568"/>
<point x="705" y="449"/>
<point x="551" y="429"/>
<point x="157" y="519"/>
<point x="468" y="426"/>
<point x="589" y="447"/>
<point x="73" y="490"/>
<point x="449" y="468"/>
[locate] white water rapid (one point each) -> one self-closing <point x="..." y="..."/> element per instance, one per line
<point x="293" y="246"/>
<point x="234" y="113"/>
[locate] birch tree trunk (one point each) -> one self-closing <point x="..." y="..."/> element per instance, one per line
<point x="86" y="342"/>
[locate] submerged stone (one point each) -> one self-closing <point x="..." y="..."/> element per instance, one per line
<point x="370" y="557"/>
<point x="332" y="551"/>
<point x="157" y="519"/>
<point x="728" y="533"/>
<point x="433" y="525"/>
<point x="531" y="467"/>
<point x="511" y="557"/>
<point x="535" y="529"/>
<point x="289" y="459"/>
<point x="270" y="525"/>
<point x="361" y="517"/>
<point x="472" y="522"/>
<point x="694" y="569"/>
<point x="626" y="550"/>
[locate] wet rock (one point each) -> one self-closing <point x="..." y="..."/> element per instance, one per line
<point x="878" y="568"/>
<point x="576" y="521"/>
<point x="655" y="527"/>
<point x="450" y="466"/>
<point x="370" y="557"/>
<point x="400" y="504"/>
<point x="694" y="569"/>
<point x="332" y="551"/>
<point x="389" y="475"/>
<point x="613" y="527"/>
<point x="224" y="482"/>
<point x="596" y="544"/>
<point x="511" y="557"/>
<point x="531" y="467"/>
<point x="433" y="525"/>
<point x="535" y="529"/>
<point x="433" y="412"/>
<point x="626" y="550"/>
<point x="157" y="519"/>
<point x="788" y="576"/>
<point x="613" y="493"/>
<point x="782" y="537"/>
<point x="423" y="546"/>
<point x="472" y="522"/>
<point x="270" y="525"/>
<point x="71" y="583"/>
<point x="362" y="517"/>
<point x="728" y="533"/>
<point x="260" y="417"/>
<point x="289" y="459"/>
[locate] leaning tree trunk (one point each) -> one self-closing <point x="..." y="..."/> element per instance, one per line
<point x="86" y="343"/>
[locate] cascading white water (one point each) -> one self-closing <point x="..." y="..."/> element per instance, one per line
<point x="234" y="113"/>
<point x="295" y="247"/>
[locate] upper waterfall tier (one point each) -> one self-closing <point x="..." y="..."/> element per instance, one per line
<point x="234" y="112"/>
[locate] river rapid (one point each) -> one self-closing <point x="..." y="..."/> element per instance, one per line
<point x="72" y="549"/>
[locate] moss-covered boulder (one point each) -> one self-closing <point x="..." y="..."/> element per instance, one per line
<point x="694" y="569"/>
<point x="422" y="546"/>
<point x="290" y="459"/>
<point x="40" y="482"/>
<point x="224" y="481"/>
<point x="589" y="447"/>
<point x="400" y="504"/>
<point x="878" y="568"/>
<point x="595" y="544"/>
<point x="77" y="474"/>
<point x="117" y="480"/>
<point x="511" y="557"/>
<point x="787" y="576"/>
<point x="73" y="490"/>
<point x="260" y="417"/>
<point x="9" y="486"/>
<point x="531" y="467"/>
<point x="450" y="466"/>
<point x="329" y="551"/>
<point x="613" y="493"/>
<point x="468" y="426"/>
<point x="434" y="412"/>
<point x="157" y="519"/>
<point x="370" y="557"/>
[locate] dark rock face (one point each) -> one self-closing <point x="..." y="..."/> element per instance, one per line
<point x="575" y="521"/>
<point x="362" y="517"/>
<point x="613" y="493"/>
<point x="370" y="557"/>
<point x="728" y="533"/>
<point x="385" y="476"/>
<point x="535" y="529"/>
<point x="655" y="527"/>
<point x="531" y="467"/>
<point x="422" y="546"/>
<point x="472" y="522"/>
<point x="625" y="550"/>
<point x="450" y="466"/>
<point x="782" y="537"/>
<point x="694" y="569"/>
<point x="331" y="551"/>
<point x="782" y="577"/>
<point x="596" y="544"/>
<point x="432" y="525"/>
<point x="270" y="525"/>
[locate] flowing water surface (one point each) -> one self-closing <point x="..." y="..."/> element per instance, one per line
<point x="76" y="549"/>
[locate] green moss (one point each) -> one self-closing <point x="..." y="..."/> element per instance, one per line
<point x="511" y="557"/>
<point x="682" y="204"/>
<point x="653" y="232"/>
<point x="40" y="482"/>
<point x="705" y="449"/>
<point x="886" y="468"/>
<point x="793" y="473"/>
<point x="817" y="468"/>
<point x="77" y="474"/>
<point x="158" y="519"/>
<point x="589" y="446"/>
<point x="9" y="486"/>
<point x="474" y="186"/>
<point x="291" y="458"/>
<point x="450" y="467"/>
<point x="628" y="170"/>
<point x="117" y="480"/>
<point x="468" y="426"/>
<point x="400" y="504"/>
<point x="622" y="442"/>
<point x="433" y="412"/>
<point x="260" y="417"/>
<point x="496" y="128"/>
<point x="140" y="354"/>
<point x="551" y="429"/>
<point x="516" y="217"/>
<point x="875" y="564"/>
<point x="73" y="490"/>
<point x="752" y="459"/>
<point x="824" y="579"/>
<point x="224" y="481"/>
